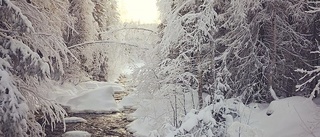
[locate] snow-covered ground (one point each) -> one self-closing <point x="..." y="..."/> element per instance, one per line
<point x="288" y="117"/>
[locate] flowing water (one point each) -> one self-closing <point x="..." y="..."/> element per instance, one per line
<point x="99" y="125"/>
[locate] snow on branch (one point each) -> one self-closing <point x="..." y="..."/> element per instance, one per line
<point x="6" y="31"/>
<point x="314" y="9"/>
<point x="316" y="73"/>
<point x="102" y="41"/>
<point x="18" y="12"/>
<point x="142" y="29"/>
<point x="13" y="114"/>
<point x="17" y="48"/>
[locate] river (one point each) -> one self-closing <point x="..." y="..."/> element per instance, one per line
<point x="99" y="125"/>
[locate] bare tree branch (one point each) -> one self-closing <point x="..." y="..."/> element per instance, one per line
<point x="143" y="29"/>
<point x="104" y="41"/>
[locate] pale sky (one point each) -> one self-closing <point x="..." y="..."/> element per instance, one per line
<point x="143" y="11"/>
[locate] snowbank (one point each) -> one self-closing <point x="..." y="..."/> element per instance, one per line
<point x="89" y="97"/>
<point x="289" y="117"/>
<point x="98" y="100"/>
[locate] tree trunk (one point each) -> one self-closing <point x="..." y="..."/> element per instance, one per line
<point x="200" y="79"/>
<point x="273" y="52"/>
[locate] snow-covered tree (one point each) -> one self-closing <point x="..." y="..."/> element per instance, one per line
<point x="86" y="29"/>
<point x="32" y="52"/>
<point x="246" y="49"/>
<point x="265" y="42"/>
<point x="183" y="60"/>
<point x="106" y="14"/>
<point x="187" y="45"/>
<point x="310" y="79"/>
<point x="92" y="18"/>
<point x="85" y="24"/>
<point x="14" y="110"/>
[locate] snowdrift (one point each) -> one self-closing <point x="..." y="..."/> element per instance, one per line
<point x="89" y="97"/>
<point x="99" y="100"/>
<point x="289" y="117"/>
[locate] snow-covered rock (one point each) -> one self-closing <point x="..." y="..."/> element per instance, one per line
<point x="74" y="120"/>
<point x="76" y="134"/>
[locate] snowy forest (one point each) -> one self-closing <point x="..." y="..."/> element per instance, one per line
<point x="208" y="68"/>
